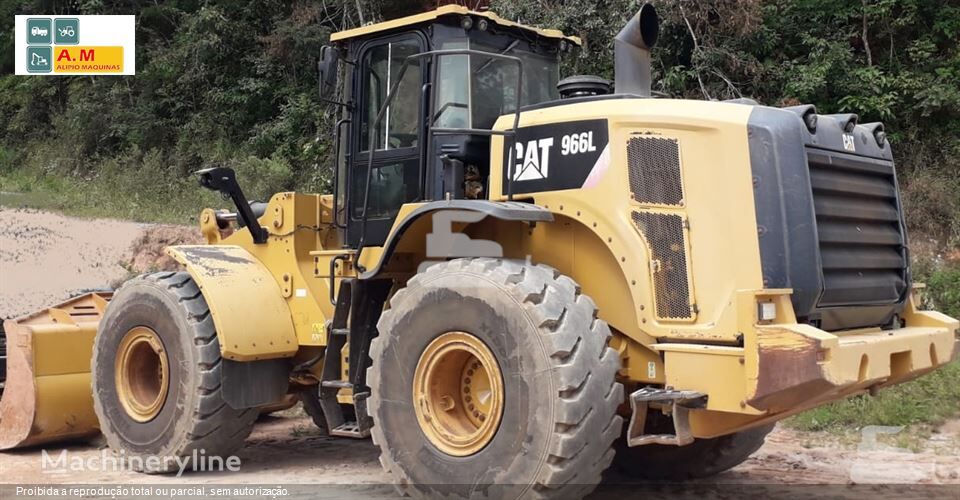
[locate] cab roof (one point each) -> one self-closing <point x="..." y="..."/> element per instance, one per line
<point x="447" y="10"/>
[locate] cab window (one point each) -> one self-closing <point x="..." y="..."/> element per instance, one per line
<point x="398" y="127"/>
<point x="473" y="90"/>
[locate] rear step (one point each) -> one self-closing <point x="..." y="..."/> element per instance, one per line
<point x="679" y="404"/>
<point x="356" y="429"/>
<point x="350" y="430"/>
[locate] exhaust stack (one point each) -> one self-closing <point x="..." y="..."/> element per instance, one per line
<point x="631" y="52"/>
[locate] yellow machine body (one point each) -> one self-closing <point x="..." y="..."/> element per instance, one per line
<point x="275" y="299"/>
<point x="781" y="368"/>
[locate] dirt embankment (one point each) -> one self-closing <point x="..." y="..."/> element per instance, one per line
<point x="147" y="254"/>
<point x="44" y="258"/>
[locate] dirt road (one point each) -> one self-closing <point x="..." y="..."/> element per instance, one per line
<point x="44" y="257"/>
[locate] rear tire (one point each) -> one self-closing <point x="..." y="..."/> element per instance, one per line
<point x="311" y="405"/>
<point x="702" y="458"/>
<point x="557" y="401"/>
<point x="193" y="416"/>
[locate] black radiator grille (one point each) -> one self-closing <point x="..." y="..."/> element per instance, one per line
<point x="665" y="235"/>
<point x="862" y="245"/>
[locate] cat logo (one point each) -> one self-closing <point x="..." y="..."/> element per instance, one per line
<point x="848" y="142"/>
<point x="534" y="158"/>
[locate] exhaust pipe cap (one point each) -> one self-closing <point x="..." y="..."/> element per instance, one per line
<point x="649" y="25"/>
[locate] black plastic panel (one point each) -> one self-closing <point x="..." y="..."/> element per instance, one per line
<point x="786" y="227"/>
<point x="829" y="219"/>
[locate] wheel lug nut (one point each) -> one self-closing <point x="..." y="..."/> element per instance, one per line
<point x="446" y="403"/>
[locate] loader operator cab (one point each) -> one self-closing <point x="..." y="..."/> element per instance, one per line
<point x="432" y="140"/>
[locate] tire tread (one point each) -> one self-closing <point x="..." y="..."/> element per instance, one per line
<point x="219" y="432"/>
<point x="587" y="392"/>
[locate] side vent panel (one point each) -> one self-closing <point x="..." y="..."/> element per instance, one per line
<point x="666" y="236"/>
<point x="654" y="166"/>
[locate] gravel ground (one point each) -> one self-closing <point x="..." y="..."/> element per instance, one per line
<point x="46" y="257"/>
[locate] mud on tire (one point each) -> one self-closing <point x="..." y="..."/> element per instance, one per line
<point x="194" y="416"/>
<point x="559" y="417"/>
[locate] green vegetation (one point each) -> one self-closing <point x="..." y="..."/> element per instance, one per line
<point x="172" y="199"/>
<point x="929" y="400"/>
<point x="943" y="290"/>
<point x="217" y="83"/>
<point x="234" y="83"/>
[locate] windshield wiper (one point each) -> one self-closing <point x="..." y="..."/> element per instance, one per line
<point x="510" y="47"/>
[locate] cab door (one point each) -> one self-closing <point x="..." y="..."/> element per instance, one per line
<point x="395" y="142"/>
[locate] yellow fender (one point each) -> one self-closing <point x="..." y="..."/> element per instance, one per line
<point x="253" y="320"/>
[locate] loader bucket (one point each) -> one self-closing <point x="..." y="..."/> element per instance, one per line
<point x="46" y="395"/>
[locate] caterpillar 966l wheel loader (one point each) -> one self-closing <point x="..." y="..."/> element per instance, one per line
<point x="517" y="280"/>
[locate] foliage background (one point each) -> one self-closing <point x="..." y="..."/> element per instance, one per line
<point x="234" y="82"/>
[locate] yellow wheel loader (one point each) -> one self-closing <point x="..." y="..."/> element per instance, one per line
<point x="517" y="280"/>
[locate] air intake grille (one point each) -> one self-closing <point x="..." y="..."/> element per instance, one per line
<point x="654" y="165"/>
<point x="665" y="235"/>
<point x="858" y="223"/>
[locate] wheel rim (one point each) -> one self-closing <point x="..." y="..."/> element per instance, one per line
<point x="142" y="375"/>
<point x="458" y="393"/>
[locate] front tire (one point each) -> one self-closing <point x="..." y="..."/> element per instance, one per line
<point x="548" y="383"/>
<point x="156" y="377"/>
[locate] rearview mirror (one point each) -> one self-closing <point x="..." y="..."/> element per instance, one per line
<point x="329" y="65"/>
